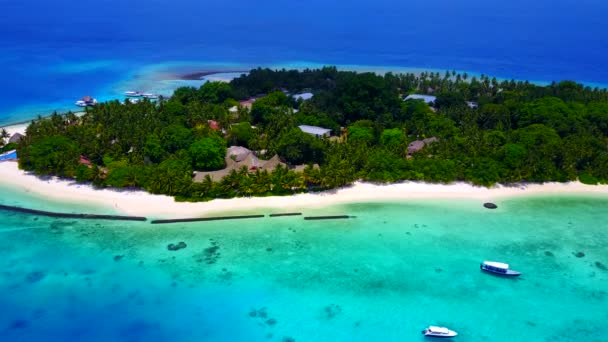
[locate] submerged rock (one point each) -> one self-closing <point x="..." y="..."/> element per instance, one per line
<point x="601" y="266"/>
<point x="289" y="339"/>
<point x="118" y="257"/>
<point x="176" y="247"/>
<point x="332" y="310"/>
<point x="490" y="205"/>
<point x="271" y="321"/>
<point x="19" y="324"/>
<point x="579" y="254"/>
<point x="548" y="253"/>
<point x="34" y="277"/>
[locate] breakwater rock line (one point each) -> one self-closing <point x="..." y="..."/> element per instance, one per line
<point x="285" y="214"/>
<point x="199" y="219"/>
<point x="331" y="217"/>
<point x="71" y="215"/>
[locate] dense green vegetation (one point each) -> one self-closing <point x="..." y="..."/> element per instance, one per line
<point x="517" y="132"/>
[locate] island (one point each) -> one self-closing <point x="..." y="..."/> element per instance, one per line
<point x="282" y="132"/>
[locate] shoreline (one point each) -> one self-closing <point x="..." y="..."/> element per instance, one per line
<point x="16" y="128"/>
<point x="186" y="71"/>
<point x="21" y="126"/>
<point x="199" y="75"/>
<point x="141" y="203"/>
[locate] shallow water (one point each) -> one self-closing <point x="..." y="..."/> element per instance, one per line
<point x="382" y="276"/>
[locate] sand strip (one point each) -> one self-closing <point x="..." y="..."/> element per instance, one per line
<point x="140" y="203"/>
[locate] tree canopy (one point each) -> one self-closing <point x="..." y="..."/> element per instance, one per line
<point x="485" y="131"/>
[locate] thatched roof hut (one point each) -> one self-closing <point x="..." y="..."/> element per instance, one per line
<point x="239" y="152"/>
<point x="251" y="162"/>
<point x="415" y="146"/>
<point x="430" y="140"/>
<point x="273" y="163"/>
<point x="15" y="138"/>
<point x="418" y="145"/>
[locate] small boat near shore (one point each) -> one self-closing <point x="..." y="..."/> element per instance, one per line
<point x="498" y="268"/>
<point x="86" y="101"/>
<point x="150" y="95"/>
<point x="441" y="332"/>
<point x="132" y="93"/>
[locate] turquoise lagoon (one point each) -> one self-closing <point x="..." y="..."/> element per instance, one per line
<point x="382" y="276"/>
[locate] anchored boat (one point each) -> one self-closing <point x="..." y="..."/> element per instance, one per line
<point x="132" y="93"/>
<point x="498" y="268"/>
<point x="150" y="96"/>
<point x="86" y="101"/>
<point x="433" y="331"/>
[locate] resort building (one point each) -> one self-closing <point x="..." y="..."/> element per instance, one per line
<point x="318" y="132"/>
<point x="15" y="138"/>
<point x="303" y="96"/>
<point x="247" y="103"/>
<point x="429" y="99"/>
<point x="236" y="158"/>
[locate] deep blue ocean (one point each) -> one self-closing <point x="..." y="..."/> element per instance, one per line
<point x="54" y="52"/>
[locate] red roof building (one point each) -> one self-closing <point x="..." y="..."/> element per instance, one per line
<point x="214" y="125"/>
<point x="84" y="161"/>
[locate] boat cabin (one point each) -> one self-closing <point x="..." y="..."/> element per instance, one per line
<point x="433" y="331"/>
<point x="438" y="330"/>
<point x="496" y="266"/>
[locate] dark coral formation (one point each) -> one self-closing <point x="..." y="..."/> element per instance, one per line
<point x="34" y="277"/>
<point x="261" y="313"/>
<point x="490" y="205"/>
<point x="211" y="254"/>
<point x="271" y="321"/>
<point x="601" y="266"/>
<point x="548" y="253"/>
<point x="288" y="339"/>
<point x="118" y="257"/>
<point x="177" y="247"/>
<point x="19" y="324"/>
<point x="579" y="254"/>
<point x="332" y="310"/>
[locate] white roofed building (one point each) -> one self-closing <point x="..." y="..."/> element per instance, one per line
<point x="429" y="99"/>
<point x="303" y="96"/>
<point x="318" y="132"/>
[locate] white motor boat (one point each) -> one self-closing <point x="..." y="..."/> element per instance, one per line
<point x="498" y="268"/>
<point x="133" y="100"/>
<point x="86" y="101"/>
<point x="150" y="96"/>
<point x="433" y="331"/>
<point x="132" y="93"/>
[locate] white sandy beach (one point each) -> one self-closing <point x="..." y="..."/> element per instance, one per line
<point x="18" y="128"/>
<point x="140" y="203"/>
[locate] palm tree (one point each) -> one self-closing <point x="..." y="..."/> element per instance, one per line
<point x="3" y="135"/>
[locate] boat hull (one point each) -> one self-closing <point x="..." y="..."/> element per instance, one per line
<point x="432" y="335"/>
<point x="439" y="332"/>
<point x="508" y="273"/>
